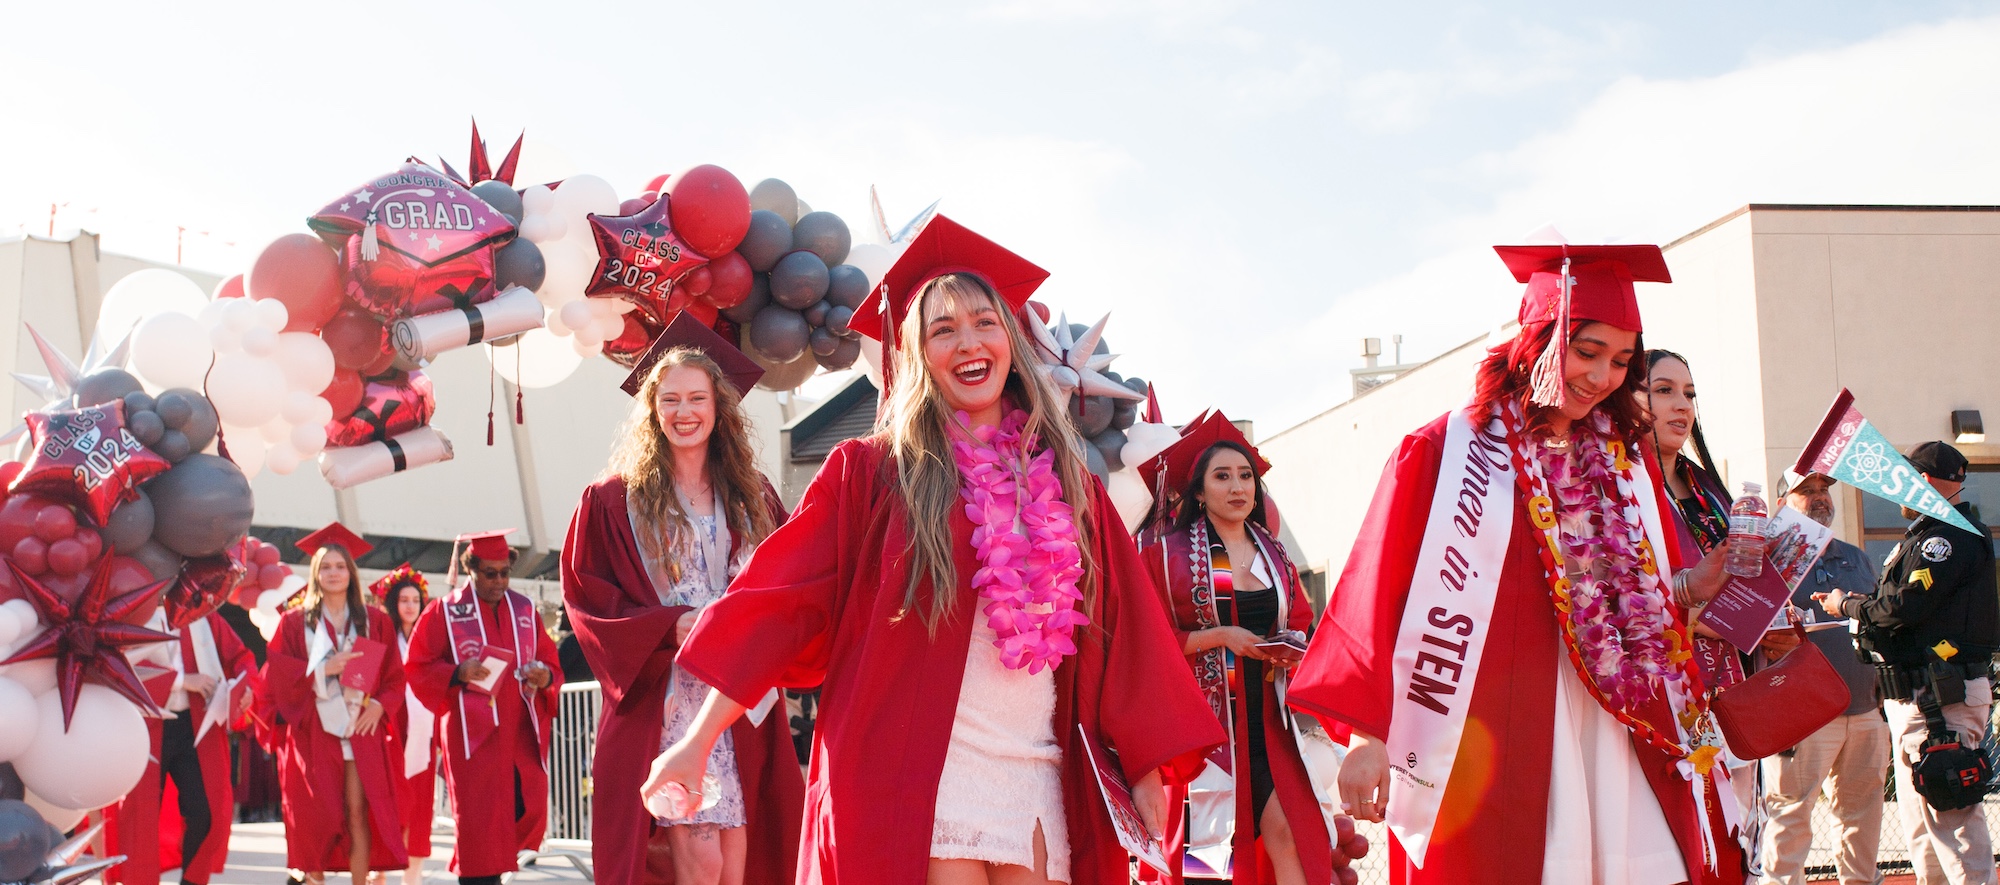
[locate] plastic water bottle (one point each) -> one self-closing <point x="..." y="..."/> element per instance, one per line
<point x="1745" y="557"/>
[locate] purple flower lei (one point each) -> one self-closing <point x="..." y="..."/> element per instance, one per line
<point x="1024" y="534"/>
<point x="1618" y="612"/>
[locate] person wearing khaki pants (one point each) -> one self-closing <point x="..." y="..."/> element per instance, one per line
<point x="1847" y="758"/>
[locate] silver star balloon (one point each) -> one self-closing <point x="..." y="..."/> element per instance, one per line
<point x="1072" y="362"/>
<point x="60" y="383"/>
<point x="909" y="229"/>
<point x="66" y="863"/>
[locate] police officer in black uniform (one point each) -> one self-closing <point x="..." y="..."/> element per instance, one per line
<point x="1932" y="630"/>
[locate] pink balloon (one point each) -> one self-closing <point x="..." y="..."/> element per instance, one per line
<point x="299" y="270"/>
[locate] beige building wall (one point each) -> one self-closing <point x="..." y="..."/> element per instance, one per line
<point x="1776" y="309"/>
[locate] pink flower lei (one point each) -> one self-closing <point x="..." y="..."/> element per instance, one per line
<point x="1024" y="534"/>
<point x="1618" y="611"/>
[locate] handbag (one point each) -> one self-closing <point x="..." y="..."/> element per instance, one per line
<point x="1775" y="708"/>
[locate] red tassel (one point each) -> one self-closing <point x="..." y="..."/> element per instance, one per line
<point x="520" y="413"/>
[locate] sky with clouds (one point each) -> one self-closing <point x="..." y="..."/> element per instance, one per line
<point x="1249" y="188"/>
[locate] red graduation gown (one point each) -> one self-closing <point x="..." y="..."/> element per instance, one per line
<point x="1492" y="825"/>
<point x="420" y="789"/>
<point x="310" y="769"/>
<point x="820" y="604"/>
<point x="629" y="638"/>
<point x="146" y="825"/>
<point x="1168" y="563"/>
<point x="481" y="785"/>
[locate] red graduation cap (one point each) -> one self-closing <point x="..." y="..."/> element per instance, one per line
<point x="336" y="534"/>
<point x="1566" y="283"/>
<point x="686" y="330"/>
<point x="486" y="545"/>
<point x="944" y="246"/>
<point x="1176" y="464"/>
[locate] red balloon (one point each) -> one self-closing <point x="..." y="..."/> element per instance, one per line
<point x="395" y="284"/>
<point x="343" y="393"/>
<point x="641" y="259"/>
<point x="93" y="543"/>
<point x="230" y="288"/>
<point x="88" y="458"/>
<point x="1041" y="310"/>
<point x="128" y="574"/>
<point x="88" y="633"/>
<point x="379" y="365"/>
<point x="271" y="577"/>
<point x="55" y="523"/>
<point x="631" y="343"/>
<point x="302" y="272"/>
<point x="635" y="204"/>
<point x="17" y="518"/>
<point x="203" y="587"/>
<point x="395" y="403"/>
<point x="697" y="282"/>
<point x="711" y="210"/>
<point x="68" y="557"/>
<point x="730" y="279"/>
<point x="31" y="554"/>
<point x="266" y="554"/>
<point x="659" y="181"/>
<point x="355" y="336"/>
<point x="10" y="471"/>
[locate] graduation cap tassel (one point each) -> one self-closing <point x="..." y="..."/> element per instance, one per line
<point x="370" y="247"/>
<point x="1545" y="384"/>
<point x="491" y="397"/>
<point x="520" y="412"/>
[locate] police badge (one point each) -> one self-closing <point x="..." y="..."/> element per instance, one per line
<point x="1935" y="549"/>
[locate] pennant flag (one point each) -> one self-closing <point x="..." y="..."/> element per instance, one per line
<point x="1849" y="448"/>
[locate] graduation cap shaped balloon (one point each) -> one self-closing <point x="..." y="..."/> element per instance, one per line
<point x="1577" y="282"/>
<point x="687" y="330"/>
<point x="334" y="534"/>
<point x="416" y="211"/>
<point x="944" y="247"/>
<point x="1170" y="470"/>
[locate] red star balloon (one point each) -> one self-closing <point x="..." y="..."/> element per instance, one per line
<point x="88" y="639"/>
<point x="390" y="404"/>
<point x="640" y="259"/>
<point x="86" y="457"/>
<point x="203" y="585"/>
<point x="481" y="165"/>
<point x="418" y="225"/>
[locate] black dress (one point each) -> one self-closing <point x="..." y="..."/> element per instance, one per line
<point x="1257" y="612"/>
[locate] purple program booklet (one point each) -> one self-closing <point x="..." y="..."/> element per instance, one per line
<point x="1748" y="607"/>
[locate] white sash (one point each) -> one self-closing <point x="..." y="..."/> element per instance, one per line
<point x="417" y="753"/>
<point x="1445" y="623"/>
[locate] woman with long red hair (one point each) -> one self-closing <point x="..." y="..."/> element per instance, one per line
<point x="1508" y="641"/>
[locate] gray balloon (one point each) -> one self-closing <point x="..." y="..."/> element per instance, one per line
<point x="760" y="295"/>
<point x="176" y="406"/>
<point x="160" y="562"/>
<point x="1124" y="413"/>
<point x="816" y="314"/>
<point x="776" y="197"/>
<point x="201" y="505"/>
<point x="137" y="401"/>
<point x="822" y="342"/>
<point x="846" y="285"/>
<point x="501" y="196"/>
<point x="823" y="234"/>
<point x="173" y="446"/>
<point x="769" y="238"/>
<point x="145" y="425"/>
<point x="1111" y="445"/>
<point x="1136" y="385"/>
<point x="837" y="320"/>
<point x="24" y="840"/>
<point x="1094" y="459"/>
<point x="104" y="385"/>
<point x="788" y="376"/>
<point x="11" y="786"/>
<point x="1096" y="416"/>
<point x="131" y="525"/>
<point x="201" y="423"/>
<point x="519" y="263"/>
<point x="799" y="280"/>
<point x="778" y="333"/>
<point x="845" y="352"/>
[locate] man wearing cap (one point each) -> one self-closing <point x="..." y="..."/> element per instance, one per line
<point x="1932" y="629"/>
<point x="1851" y="753"/>
<point x="483" y="663"/>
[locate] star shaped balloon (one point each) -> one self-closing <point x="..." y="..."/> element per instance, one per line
<point x="1072" y="362"/>
<point x="88" y="639"/>
<point x="481" y="163"/>
<point x="640" y="259"/>
<point x="87" y="457"/>
<point x="60" y="382"/>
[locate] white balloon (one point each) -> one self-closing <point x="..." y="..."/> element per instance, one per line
<point x="586" y="349"/>
<point x="272" y="314"/>
<point x="64" y="819"/>
<point x="145" y="293"/>
<point x="621" y="307"/>
<point x="308" y="439"/>
<point x="1143" y="441"/>
<point x="537" y="200"/>
<point x="306" y="361"/>
<point x="246" y="448"/>
<point x="1127" y="491"/>
<point x="282" y="458"/>
<point x="10" y="630"/>
<point x="587" y="339"/>
<point x="93" y="763"/>
<point x="544" y="228"/>
<point x="873" y="259"/>
<point x="38" y="676"/>
<point x="543" y="360"/>
<point x="19" y="718"/>
<point x="552" y="321"/>
<point x="301" y="407"/>
<point x="276" y="430"/>
<point x="265" y="613"/>
<point x="871" y="362"/>
<point x="585" y="194"/>
<point x="246" y="391"/>
<point x="210" y="314"/>
<point x="24" y="612"/>
<point x="578" y="314"/>
<point x="239" y="315"/>
<point x="566" y="272"/>
<point x="259" y="341"/>
<point x="171" y="350"/>
<point x="222" y="339"/>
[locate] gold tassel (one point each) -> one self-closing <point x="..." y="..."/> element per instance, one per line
<point x="1545" y="385"/>
<point x="370" y="247"/>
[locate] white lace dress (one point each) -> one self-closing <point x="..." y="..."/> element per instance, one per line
<point x="685" y="693"/>
<point x="1003" y="770"/>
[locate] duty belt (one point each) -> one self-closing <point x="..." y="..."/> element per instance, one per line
<point x="1900" y="683"/>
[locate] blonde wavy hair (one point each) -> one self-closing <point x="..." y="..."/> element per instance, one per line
<point x="916" y="425"/>
<point x="314" y="602"/>
<point x="644" y="458"/>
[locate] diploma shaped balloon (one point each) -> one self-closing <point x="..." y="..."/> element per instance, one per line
<point x="88" y="457"/>
<point x="640" y="258"/>
<point x="390" y="404"/>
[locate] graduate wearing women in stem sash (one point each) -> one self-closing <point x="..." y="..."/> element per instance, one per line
<point x="963" y="591"/>
<point x="1508" y="639"/>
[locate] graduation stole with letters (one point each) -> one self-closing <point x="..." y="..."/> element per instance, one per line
<point x="468" y="640"/>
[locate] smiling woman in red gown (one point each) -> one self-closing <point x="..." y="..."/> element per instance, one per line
<point x="964" y="592"/>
